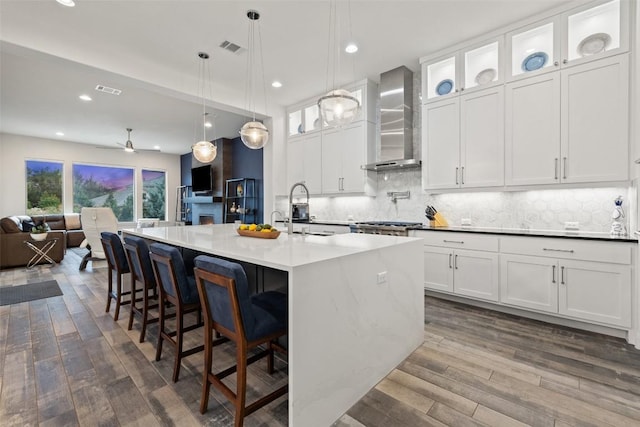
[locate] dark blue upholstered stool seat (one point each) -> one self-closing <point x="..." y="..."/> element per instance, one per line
<point x="118" y="265"/>
<point x="137" y="252"/>
<point x="249" y="321"/>
<point x="179" y="289"/>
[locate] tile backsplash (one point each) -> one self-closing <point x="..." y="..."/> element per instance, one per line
<point x="537" y="209"/>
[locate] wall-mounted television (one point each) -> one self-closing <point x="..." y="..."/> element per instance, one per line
<point x="202" y="179"/>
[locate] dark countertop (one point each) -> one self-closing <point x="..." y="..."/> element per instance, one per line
<point x="585" y="235"/>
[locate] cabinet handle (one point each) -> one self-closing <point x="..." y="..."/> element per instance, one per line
<point x="453" y="241"/>
<point x="461" y="89"/>
<point x="558" y="250"/>
<point x="456" y="176"/>
<point x="553" y="274"/>
<point x="455" y="262"/>
<point x="462" y="175"/>
<point x="562" y="275"/>
<point x="449" y="260"/>
<point x="564" y="168"/>
<point x="556" y="63"/>
<point x="555" y="168"/>
<point x="564" y="61"/>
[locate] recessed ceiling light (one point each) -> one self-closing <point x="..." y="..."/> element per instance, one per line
<point x="85" y="97"/>
<point x="69" y="3"/>
<point x="207" y="124"/>
<point x="276" y="84"/>
<point x="156" y="147"/>
<point x="60" y="133"/>
<point x="351" y="48"/>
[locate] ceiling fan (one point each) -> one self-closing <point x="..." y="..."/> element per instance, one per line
<point x="128" y="146"/>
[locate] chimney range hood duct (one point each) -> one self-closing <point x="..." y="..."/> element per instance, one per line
<point x="396" y="122"/>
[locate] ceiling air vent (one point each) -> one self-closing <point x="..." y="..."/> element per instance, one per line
<point x="231" y="47"/>
<point x="107" y="89"/>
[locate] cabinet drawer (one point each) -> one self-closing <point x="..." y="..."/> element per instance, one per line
<point x="460" y="240"/>
<point x="619" y="253"/>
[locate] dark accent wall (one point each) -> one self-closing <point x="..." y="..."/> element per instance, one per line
<point x="247" y="163"/>
<point x="234" y="160"/>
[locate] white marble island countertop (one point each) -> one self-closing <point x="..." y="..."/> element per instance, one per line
<point x="355" y="303"/>
<point x="283" y="253"/>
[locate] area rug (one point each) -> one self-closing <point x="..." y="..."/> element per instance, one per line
<point x="29" y="292"/>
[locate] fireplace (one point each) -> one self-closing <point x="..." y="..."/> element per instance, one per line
<point x="205" y="219"/>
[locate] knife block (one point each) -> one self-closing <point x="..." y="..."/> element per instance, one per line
<point x="438" y="221"/>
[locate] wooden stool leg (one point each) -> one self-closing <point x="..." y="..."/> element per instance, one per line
<point x="241" y="390"/>
<point x="270" y="358"/>
<point x="160" y="330"/>
<point x="145" y="313"/>
<point x="206" y="384"/>
<point x="109" y="290"/>
<point x="118" y="296"/>
<point x="133" y="302"/>
<point x="179" y="333"/>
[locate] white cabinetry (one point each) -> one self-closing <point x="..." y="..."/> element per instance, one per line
<point x="329" y="160"/>
<point x="569" y="126"/>
<point x="450" y="267"/>
<point x="343" y="154"/>
<point x="588" y="281"/>
<point x="463" y="140"/>
<point x="304" y="162"/>
<point x="578" y="36"/>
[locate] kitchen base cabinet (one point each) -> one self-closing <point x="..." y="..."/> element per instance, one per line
<point x="473" y="273"/>
<point x="558" y="281"/>
<point x="598" y="292"/>
<point x="438" y="274"/>
<point x="529" y="282"/>
<point x="476" y="274"/>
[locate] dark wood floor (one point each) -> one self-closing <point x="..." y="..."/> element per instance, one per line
<point x="65" y="362"/>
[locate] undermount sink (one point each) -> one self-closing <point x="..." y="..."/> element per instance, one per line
<point x="313" y="233"/>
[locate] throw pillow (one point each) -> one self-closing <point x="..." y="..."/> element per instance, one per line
<point x="27" y="225"/>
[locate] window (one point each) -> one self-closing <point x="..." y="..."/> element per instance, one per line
<point x="44" y="187"/>
<point x="104" y="186"/>
<point x="153" y="194"/>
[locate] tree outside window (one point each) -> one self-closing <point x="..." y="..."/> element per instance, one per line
<point x="153" y="194"/>
<point x="44" y="187"/>
<point x="104" y="186"/>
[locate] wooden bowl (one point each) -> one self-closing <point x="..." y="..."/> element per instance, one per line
<point x="258" y="234"/>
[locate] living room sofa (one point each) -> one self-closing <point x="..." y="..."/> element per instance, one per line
<point x="14" y="232"/>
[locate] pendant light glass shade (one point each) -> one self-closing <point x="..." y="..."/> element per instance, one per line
<point x="204" y="151"/>
<point x="338" y="108"/>
<point x="254" y="135"/>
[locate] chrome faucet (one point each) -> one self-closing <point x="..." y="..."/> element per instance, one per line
<point x="276" y="212"/>
<point x="293" y="187"/>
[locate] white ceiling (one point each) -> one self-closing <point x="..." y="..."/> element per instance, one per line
<point x="50" y="54"/>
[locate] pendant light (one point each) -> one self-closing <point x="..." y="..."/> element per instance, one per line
<point x="254" y="134"/>
<point x="204" y="151"/>
<point x="338" y="107"/>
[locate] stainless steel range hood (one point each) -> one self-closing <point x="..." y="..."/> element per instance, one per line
<point x="396" y="121"/>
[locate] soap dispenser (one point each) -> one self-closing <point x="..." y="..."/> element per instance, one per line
<point x="617" y="226"/>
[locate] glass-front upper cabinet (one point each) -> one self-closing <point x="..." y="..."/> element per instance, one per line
<point x="577" y="36"/>
<point x="304" y="118"/>
<point x="475" y="67"/>
<point x="596" y="31"/>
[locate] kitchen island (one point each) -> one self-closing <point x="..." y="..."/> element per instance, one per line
<point x="356" y="307"/>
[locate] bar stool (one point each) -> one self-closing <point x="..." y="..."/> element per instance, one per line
<point x="178" y="289"/>
<point x="117" y="262"/>
<point x="248" y="321"/>
<point x="137" y="252"/>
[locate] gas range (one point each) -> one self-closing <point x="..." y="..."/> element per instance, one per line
<point x="389" y="228"/>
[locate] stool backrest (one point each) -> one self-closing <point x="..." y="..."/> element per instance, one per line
<point x="224" y="293"/>
<point x="139" y="260"/>
<point x="171" y="273"/>
<point x="114" y="250"/>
